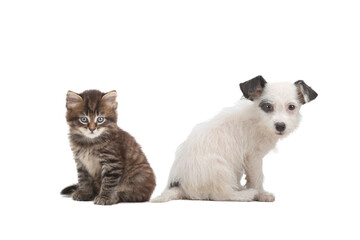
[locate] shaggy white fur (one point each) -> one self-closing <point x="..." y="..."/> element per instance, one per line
<point x="209" y="165"/>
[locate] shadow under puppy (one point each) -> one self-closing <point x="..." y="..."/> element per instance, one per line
<point x="209" y="165"/>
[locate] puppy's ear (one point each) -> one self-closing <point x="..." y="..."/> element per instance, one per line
<point x="305" y="93"/>
<point x="72" y="99"/>
<point x="253" y="88"/>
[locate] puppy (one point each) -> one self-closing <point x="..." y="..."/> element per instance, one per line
<point x="211" y="162"/>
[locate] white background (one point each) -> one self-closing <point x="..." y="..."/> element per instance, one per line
<point x="175" y="64"/>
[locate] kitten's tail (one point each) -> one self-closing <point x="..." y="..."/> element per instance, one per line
<point x="173" y="193"/>
<point x="69" y="190"/>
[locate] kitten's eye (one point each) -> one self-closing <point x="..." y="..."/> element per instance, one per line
<point x="83" y="120"/>
<point x="291" y="107"/>
<point x="100" y="119"/>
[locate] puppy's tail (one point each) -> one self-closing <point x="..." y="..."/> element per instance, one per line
<point x="173" y="193"/>
<point x="69" y="190"/>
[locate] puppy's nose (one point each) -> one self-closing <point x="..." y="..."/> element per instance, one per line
<point x="280" y="126"/>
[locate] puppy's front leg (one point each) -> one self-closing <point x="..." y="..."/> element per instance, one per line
<point x="255" y="178"/>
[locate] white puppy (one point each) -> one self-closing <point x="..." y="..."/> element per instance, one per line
<point x="211" y="162"/>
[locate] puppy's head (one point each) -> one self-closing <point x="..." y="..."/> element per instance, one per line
<point x="278" y="104"/>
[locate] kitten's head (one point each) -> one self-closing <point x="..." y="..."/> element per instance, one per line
<point x="91" y="113"/>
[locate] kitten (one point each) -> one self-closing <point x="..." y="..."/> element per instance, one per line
<point x="111" y="165"/>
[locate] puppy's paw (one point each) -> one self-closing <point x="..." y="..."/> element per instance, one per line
<point x="265" y="197"/>
<point x="82" y="196"/>
<point x="247" y="195"/>
<point x="251" y="194"/>
<point x="104" y="200"/>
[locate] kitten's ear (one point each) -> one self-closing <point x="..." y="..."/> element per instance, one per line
<point x="110" y="99"/>
<point x="72" y="99"/>
<point x="305" y="93"/>
<point x="253" y="88"/>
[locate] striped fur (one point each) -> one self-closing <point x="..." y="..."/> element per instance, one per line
<point x="111" y="165"/>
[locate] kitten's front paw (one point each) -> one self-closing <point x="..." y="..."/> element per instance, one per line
<point x="81" y="196"/>
<point x="265" y="197"/>
<point x="103" y="200"/>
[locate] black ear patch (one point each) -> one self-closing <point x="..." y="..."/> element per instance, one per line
<point x="305" y="93"/>
<point x="253" y="88"/>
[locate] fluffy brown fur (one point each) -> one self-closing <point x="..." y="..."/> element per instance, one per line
<point x="111" y="165"/>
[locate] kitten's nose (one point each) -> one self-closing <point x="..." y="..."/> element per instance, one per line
<point x="280" y="126"/>
<point x="92" y="127"/>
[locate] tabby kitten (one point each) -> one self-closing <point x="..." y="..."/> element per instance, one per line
<point x="111" y="165"/>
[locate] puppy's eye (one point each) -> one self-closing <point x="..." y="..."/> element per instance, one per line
<point x="83" y="120"/>
<point x="291" y="107"/>
<point x="267" y="107"/>
<point x="100" y="119"/>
